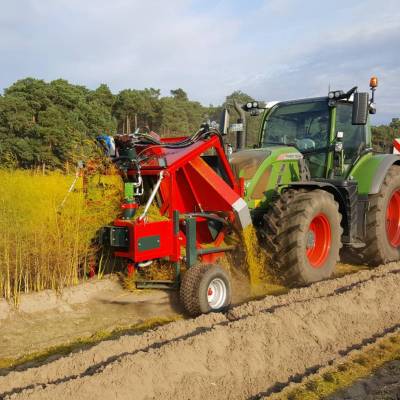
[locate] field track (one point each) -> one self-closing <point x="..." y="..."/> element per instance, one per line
<point x="249" y="352"/>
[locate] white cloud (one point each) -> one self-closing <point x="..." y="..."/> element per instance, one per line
<point x="271" y="48"/>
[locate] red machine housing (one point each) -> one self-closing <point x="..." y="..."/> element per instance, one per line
<point x="195" y="181"/>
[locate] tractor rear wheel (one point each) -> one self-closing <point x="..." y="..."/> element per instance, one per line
<point x="303" y="236"/>
<point x="383" y="222"/>
<point x="205" y="288"/>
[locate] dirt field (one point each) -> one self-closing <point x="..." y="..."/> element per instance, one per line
<point x="110" y="308"/>
<point x="250" y="352"/>
<point x="87" y="313"/>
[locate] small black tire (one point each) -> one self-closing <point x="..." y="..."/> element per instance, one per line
<point x="378" y="249"/>
<point x="287" y="231"/>
<point x="196" y="291"/>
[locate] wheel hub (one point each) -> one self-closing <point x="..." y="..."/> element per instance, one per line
<point x="216" y="293"/>
<point x="310" y="240"/>
<point x="318" y="241"/>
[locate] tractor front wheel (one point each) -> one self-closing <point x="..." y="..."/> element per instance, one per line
<point x="205" y="288"/>
<point x="303" y="236"/>
<point x="383" y="222"/>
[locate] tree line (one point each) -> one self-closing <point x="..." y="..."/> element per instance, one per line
<point x="383" y="135"/>
<point x="55" y="123"/>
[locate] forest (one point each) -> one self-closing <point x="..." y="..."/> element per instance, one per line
<point x="54" y="124"/>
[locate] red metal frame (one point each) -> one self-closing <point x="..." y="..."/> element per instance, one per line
<point x="189" y="185"/>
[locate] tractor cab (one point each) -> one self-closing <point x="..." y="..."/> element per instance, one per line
<point x="314" y="127"/>
<point x="320" y="138"/>
<point x="327" y="134"/>
<point x="302" y="124"/>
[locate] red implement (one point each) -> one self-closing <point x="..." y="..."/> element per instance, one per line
<point x="194" y="181"/>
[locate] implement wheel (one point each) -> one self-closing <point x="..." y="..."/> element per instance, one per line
<point x="383" y="222"/>
<point x="205" y="288"/>
<point x="303" y="236"/>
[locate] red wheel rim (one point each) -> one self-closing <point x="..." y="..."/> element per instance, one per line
<point x="393" y="219"/>
<point x="318" y="240"/>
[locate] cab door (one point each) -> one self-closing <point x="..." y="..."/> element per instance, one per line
<point x="355" y="137"/>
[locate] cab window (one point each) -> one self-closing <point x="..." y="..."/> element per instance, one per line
<point x="354" y="136"/>
<point x="305" y="125"/>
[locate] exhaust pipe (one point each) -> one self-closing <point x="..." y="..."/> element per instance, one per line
<point x="240" y="135"/>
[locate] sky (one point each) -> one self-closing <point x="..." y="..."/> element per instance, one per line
<point x="270" y="49"/>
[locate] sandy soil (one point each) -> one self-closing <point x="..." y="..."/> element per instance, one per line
<point x="249" y="352"/>
<point x="45" y="320"/>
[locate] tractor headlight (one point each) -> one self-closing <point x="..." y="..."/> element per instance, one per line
<point x="255" y="104"/>
<point x="339" y="94"/>
<point x="331" y="95"/>
<point x="249" y="105"/>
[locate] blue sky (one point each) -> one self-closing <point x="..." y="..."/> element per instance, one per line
<point x="271" y="49"/>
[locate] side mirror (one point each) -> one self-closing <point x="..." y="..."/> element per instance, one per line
<point x="360" y="108"/>
<point x="224" y="122"/>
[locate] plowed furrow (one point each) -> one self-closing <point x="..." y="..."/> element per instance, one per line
<point x="241" y="354"/>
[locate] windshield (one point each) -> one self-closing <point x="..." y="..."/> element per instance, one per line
<point x="304" y="125"/>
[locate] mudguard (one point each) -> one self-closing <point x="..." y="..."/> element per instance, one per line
<point x="370" y="171"/>
<point x="382" y="170"/>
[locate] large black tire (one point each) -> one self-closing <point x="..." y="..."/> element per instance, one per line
<point x="378" y="249"/>
<point x="196" y="283"/>
<point x="292" y="243"/>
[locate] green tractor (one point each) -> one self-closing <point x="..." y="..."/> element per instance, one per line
<point x="314" y="185"/>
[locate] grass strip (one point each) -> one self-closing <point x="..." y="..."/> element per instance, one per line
<point x="357" y="365"/>
<point x="84" y="342"/>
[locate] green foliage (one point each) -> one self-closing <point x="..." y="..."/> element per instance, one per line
<point x="179" y="94"/>
<point x="54" y="123"/>
<point x="179" y="115"/>
<point x="137" y="108"/>
<point x="383" y="135"/>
